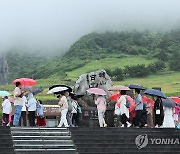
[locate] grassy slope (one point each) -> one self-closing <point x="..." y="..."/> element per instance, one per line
<point x="168" y="81"/>
<point x="109" y="63"/>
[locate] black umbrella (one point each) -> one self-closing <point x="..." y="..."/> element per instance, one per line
<point x="168" y="102"/>
<point x="61" y="85"/>
<point x="155" y="92"/>
<point x="136" y="86"/>
<point x="76" y="95"/>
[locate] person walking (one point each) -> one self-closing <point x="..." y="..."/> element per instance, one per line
<point x="31" y="109"/>
<point x="124" y="111"/>
<point x="75" y="111"/>
<point x="101" y="106"/>
<point x="6" y="109"/>
<point x="23" y="112"/>
<point x="168" y="121"/>
<point x="158" y="112"/>
<point x="41" y="121"/>
<point x="149" y="115"/>
<point x="63" y="108"/>
<point x="18" y="103"/>
<point x="139" y="122"/>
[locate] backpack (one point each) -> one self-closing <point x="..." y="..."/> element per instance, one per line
<point x="79" y="109"/>
<point x="127" y="103"/>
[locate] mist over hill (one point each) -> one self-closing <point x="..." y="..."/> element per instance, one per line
<point x="53" y="26"/>
<point x="162" y="47"/>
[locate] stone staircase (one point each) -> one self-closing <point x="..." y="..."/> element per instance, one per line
<point x="126" y="140"/>
<point x="36" y="140"/>
<point x="6" y="144"/>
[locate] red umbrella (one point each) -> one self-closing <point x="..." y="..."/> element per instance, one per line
<point x="132" y="103"/>
<point x="149" y="100"/>
<point x="176" y="99"/>
<point x="114" y="97"/>
<point x="25" y="81"/>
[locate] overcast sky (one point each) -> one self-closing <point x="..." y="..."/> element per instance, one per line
<point x="57" y="24"/>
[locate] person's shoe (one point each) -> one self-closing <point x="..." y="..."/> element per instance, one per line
<point x="145" y="125"/>
<point x="156" y="126"/>
<point x="8" y="124"/>
<point x="128" y="124"/>
<point x="59" y="126"/>
<point x="105" y="125"/>
<point x="122" y="125"/>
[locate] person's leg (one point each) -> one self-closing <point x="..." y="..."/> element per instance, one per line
<point x="69" y="118"/>
<point x="100" y="117"/>
<point x="24" y="118"/>
<point x="4" y="119"/>
<point x="136" y="120"/>
<point x="30" y="118"/>
<point x="33" y="118"/>
<point x="63" y="118"/>
<point x="17" y="115"/>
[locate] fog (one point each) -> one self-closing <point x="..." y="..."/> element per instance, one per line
<point x="54" y="25"/>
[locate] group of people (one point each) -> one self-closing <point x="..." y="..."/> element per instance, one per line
<point x="146" y="114"/>
<point x="69" y="108"/>
<point x="25" y="109"/>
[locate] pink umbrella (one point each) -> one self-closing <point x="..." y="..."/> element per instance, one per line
<point x="132" y="103"/>
<point x="11" y="99"/>
<point x="97" y="91"/>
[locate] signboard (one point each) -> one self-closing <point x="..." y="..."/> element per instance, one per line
<point x="51" y="110"/>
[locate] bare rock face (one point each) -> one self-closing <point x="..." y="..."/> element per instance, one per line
<point x="3" y="69"/>
<point x="96" y="79"/>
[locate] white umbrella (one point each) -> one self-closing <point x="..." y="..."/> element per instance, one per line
<point x="57" y="89"/>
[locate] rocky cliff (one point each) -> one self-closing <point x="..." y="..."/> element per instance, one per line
<point x="3" y="69"/>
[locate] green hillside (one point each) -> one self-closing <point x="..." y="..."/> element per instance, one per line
<point x="109" y="63"/>
<point x="94" y="50"/>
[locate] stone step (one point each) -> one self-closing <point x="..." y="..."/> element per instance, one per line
<point x="41" y="137"/>
<point x="122" y="150"/>
<point x="46" y="151"/>
<point x="44" y="141"/>
<point x="44" y="146"/>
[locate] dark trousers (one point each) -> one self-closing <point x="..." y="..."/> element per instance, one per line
<point x="6" y="118"/>
<point x="32" y="118"/>
<point x="139" y="118"/>
<point x="124" y="120"/>
<point x="75" y="119"/>
<point x="23" y="118"/>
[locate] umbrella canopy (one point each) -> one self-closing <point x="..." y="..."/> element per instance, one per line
<point x="175" y="99"/>
<point x="136" y="86"/>
<point x="76" y="95"/>
<point x="97" y="91"/>
<point x="168" y="102"/>
<point x="155" y="92"/>
<point x="61" y="85"/>
<point x="25" y="81"/>
<point x="114" y="97"/>
<point x="149" y="100"/>
<point x="4" y="93"/>
<point x="118" y="88"/>
<point x="57" y="89"/>
<point x="11" y="99"/>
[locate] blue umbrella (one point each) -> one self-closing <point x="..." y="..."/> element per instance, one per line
<point x="4" y="93"/>
<point x="155" y="92"/>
